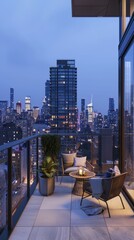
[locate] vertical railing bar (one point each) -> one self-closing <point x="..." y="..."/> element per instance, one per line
<point x="28" y="169"/>
<point x="37" y="158"/>
<point x="9" y="201"/>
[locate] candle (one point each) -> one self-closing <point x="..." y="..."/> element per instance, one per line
<point x="80" y="171"/>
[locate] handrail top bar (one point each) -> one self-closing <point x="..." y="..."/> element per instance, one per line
<point x="14" y="143"/>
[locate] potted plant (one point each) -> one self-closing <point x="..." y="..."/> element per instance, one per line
<point x="49" y="166"/>
<point x="51" y="146"/>
<point x="47" y="171"/>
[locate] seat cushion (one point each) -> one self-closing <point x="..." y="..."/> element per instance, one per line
<point x="72" y="169"/>
<point x="68" y="159"/>
<point x="117" y="170"/>
<point x="80" y="161"/>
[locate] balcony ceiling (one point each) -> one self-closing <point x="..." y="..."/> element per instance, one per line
<point x="95" y="8"/>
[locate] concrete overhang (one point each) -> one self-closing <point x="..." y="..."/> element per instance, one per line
<point x="97" y="8"/>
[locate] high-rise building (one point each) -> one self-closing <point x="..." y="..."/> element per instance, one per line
<point x="27" y="103"/>
<point x="98" y="122"/>
<point x="47" y="89"/>
<point x="12" y="99"/>
<point x="111" y="104"/>
<point x="45" y="111"/>
<point x="82" y="105"/>
<point x="90" y="113"/>
<point x="63" y="97"/>
<point x="18" y="107"/>
<point x="3" y="110"/>
<point x="83" y="118"/>
<point x="10" y="132"/>
<point x="105" y="146"/>
<point x="111" y="114"/>
<point x="36" y="112"/>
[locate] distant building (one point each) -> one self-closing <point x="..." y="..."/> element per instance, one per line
<point x="105" y="121"/>
<point x="111" y="104"/>
<point x="47" y="90"/>
<point x="90" y="114"/>
<point x="3" y="110"/>
<point x="105" y="146"/>
<point x="9" y="132"/>
<point x="111" y="114"/>
<point x="45" y="110"/>
<point x="27" y="103"/>
<point x="83" y="118"/>
<point x="11" y="99"/>
<point x="63" y="97"/>
<point x="36" y="112"/>
<point x="18" y="107"/>
<point x="82" y="105"/>
<point x="25" y="121"/>
<point x="98" y="122"/>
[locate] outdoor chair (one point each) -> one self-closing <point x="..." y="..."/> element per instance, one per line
<point x="111" y="188"/>
<point x="70" y="162"/>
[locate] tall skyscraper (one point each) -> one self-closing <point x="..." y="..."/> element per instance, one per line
<point x="111" y="104"/>
<point x="27" y="103"/>
<point x="111" y="114"/>
<point x="82" y="105"/>
<point x="63" y="97"/>
<point x="18" y="107"/>
<point x="36" y="112"/>
<point x="12" y="99"/>
<point x="83" y="119"/>
<point x="47" y="89"/>
<point x="90" y="114"/>
<point x="3" y="110"/>
<point x="105" y="146"/>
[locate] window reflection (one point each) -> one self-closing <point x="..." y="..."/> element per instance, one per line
<point x="129" y="117"/>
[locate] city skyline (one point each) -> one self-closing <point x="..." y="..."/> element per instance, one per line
<point x="23" y="104"/>
<point x="34" y="35"/>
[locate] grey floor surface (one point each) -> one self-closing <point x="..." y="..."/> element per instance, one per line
<point x="60" y="217"/>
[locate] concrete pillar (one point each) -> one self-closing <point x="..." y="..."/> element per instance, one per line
<point x="131" y="7"/>
<point x="122" y="17"/>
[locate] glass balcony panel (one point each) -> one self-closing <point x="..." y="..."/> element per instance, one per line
<point x="3" y="190"/>
<point x="19" y="174"/>
<point x="129" y="117"/>
<point x="33" y="160"/>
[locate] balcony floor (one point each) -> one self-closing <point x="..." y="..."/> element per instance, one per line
<point x="60" y="216"/>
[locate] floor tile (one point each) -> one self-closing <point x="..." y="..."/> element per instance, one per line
<point x="54" y="218"/>
<point x="20" y="233"/>
<point x="89" y="233"/>
<point x="79" y="218"/>
<point x="57" y="201"/>
<point x="28" y="216"/>
<point x="120" y="218"/>
<point x="86" y="202"/>
<point x="36" y="200"/>
<point x="120" y="233"/>
<point x="50" y="233"/>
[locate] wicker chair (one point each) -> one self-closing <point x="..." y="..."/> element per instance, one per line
<point x="111" y="187"/>
<point x="68" y="166"/>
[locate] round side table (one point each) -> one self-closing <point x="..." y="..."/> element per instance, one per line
<point x="79" y="180"/>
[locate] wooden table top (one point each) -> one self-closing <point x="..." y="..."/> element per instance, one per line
<point x="87" y="174"/>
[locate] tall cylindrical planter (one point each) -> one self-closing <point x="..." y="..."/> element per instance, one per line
<point x="46" y="185"/>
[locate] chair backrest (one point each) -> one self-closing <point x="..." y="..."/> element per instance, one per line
<point x="68" y="159"/>
<point x="112" y="186"/>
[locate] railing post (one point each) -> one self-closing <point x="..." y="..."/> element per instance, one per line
<point x="28" y="169"/>
<point x="37" y="157"/>
<point x="9" y="190"/>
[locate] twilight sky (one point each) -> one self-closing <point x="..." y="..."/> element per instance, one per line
<point x="35" y="33"/>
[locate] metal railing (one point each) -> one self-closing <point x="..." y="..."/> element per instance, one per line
<point x="19" y="162"/>
<point x="18" y="179"/>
